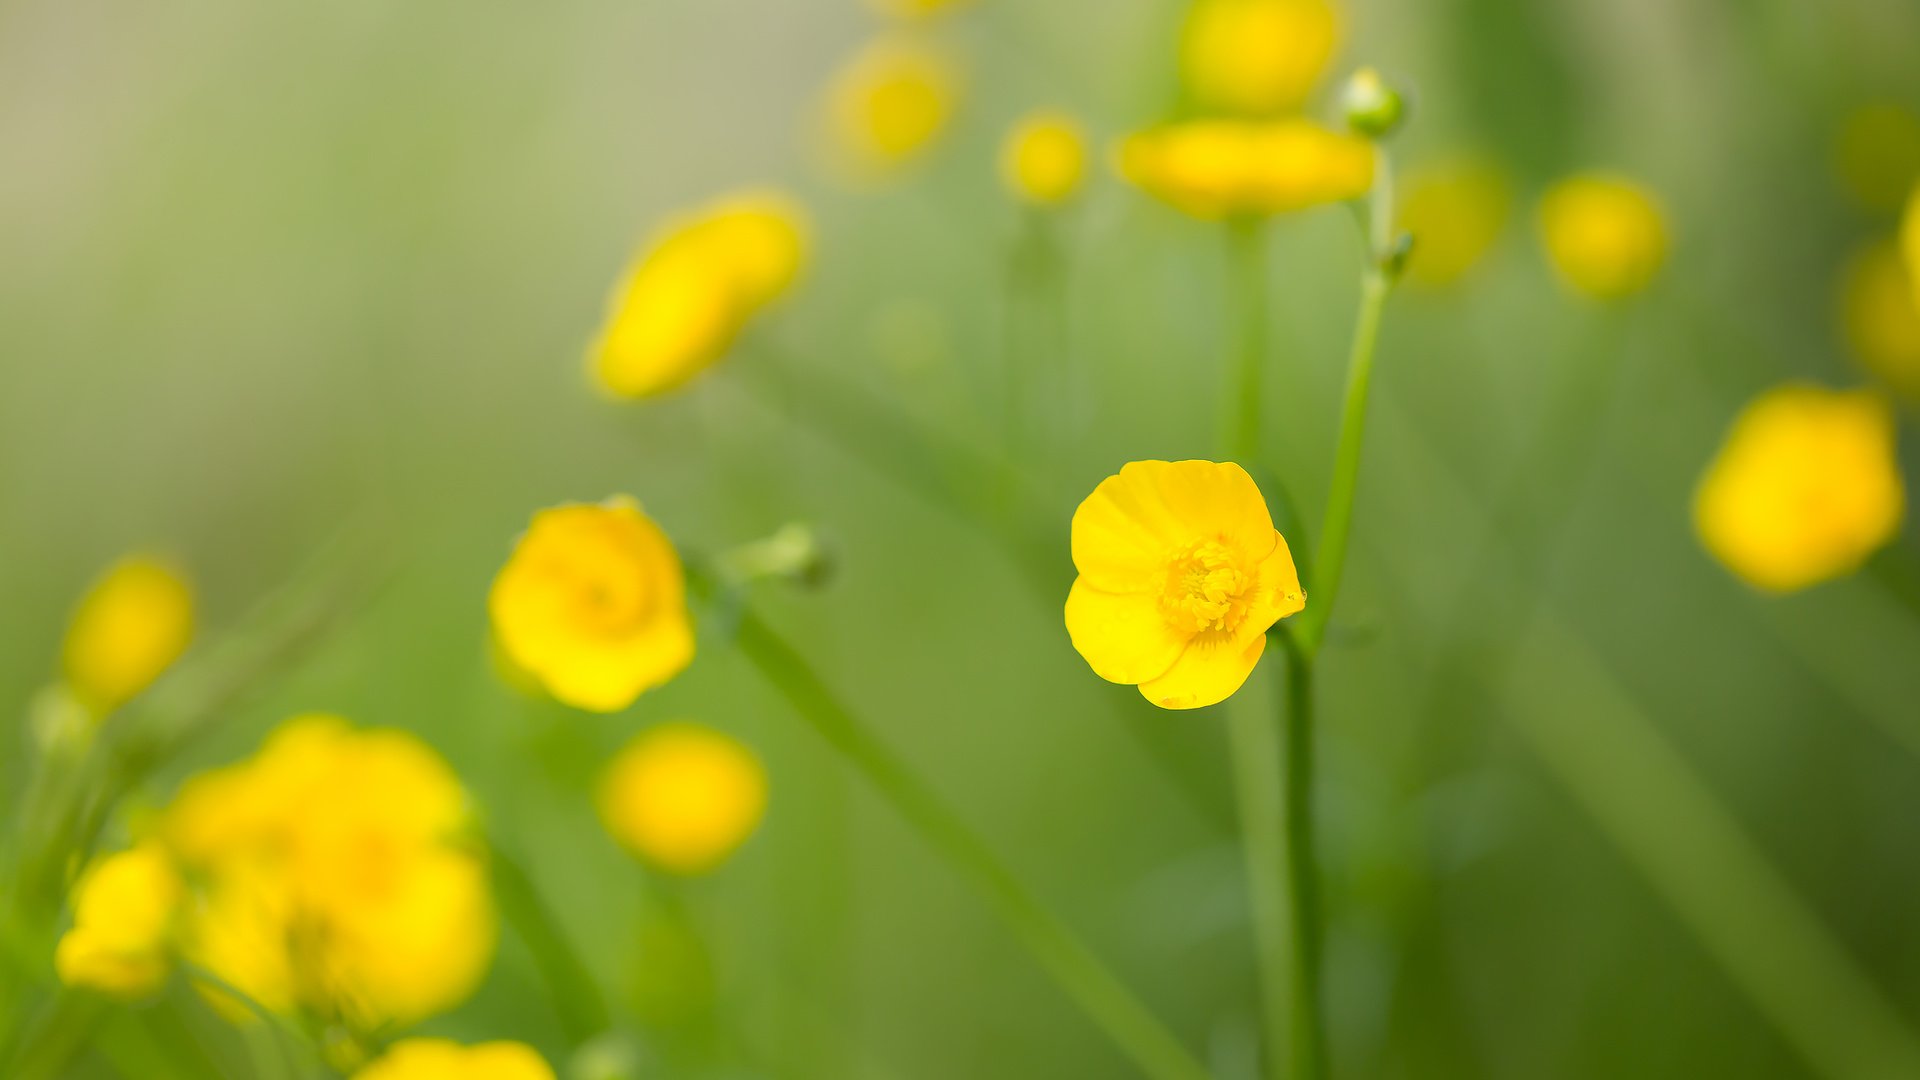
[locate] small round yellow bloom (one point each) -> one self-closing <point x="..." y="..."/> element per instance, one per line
<point x="593" y="604"/>
<point x="1455" y="211"/>
<point x="686" y="296"/>
<point x="1877" y="155"/>
<point x="683" y="797"/>
<point x="334" y="877"/>
<point x="1605" y="235"/>
<point x="1256" y="56"/>
<point x="1044" y="158"/>
<point x="1880" y="312"/>
<point x="440" y="1059"/>
<point x="1181" y="575"/>
<point x="132" y="625"/>
<point x="123" y="915"/>
<point x="1805" y="487"/>
<point x="1224" y="168"/>
<point x="890" y="103"/>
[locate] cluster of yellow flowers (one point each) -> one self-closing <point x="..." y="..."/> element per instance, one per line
<point x="332" y="877"/>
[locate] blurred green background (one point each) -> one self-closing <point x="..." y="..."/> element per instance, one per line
<point x="265" y="268"/>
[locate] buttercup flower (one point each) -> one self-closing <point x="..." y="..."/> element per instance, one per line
<point x="1805" y="487"/>
<point x="1880" y="311"/>
<point x="333" y="877"/>
<point x="440" y="1059"/>
<point x="1605" y="235"/>
<point x="1044" y="158"/>
<point x="1221" y="168"/>
<point x="593" y="604"/>
<point x="124" y="909"/>
<point x="1910" y="242"/>
<point x="683" y="797"/>
<point x="1454" y="211"/>
<point x="1256" y="56"/>
<point x="687" y="295"/>
<point x="1877" y="155"/>
<point x="132" y="625"/>
<point x="890" y="102"/>
<point x="1181" y="575"/>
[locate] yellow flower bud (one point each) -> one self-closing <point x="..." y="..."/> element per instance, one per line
<point x="441" y="1059"/>
<point x="890" y="103"/>
<point x="1605" y="235"/>
<point x="1044" y="158"/>
<point x="1804" y="488"/>
<point x="1455" y="211"/>
<point x="686" y="296"/>
<point x="1256" y="56"/>
<point x="1181" y="575"/>
<point x="683" y="797"/>
<point x="124" y="908"/>
<point x="1876" y="155"/>
<point x="1880" y="312"/>
<point x="131" y="626"/>
<point x="593" y="604"/>
<point x="1226" y="168"/>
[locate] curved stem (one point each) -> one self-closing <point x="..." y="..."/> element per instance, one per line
<point x="1077" y="971"/>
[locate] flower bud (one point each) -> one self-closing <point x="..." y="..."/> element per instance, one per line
<point x="1372" y="107"/>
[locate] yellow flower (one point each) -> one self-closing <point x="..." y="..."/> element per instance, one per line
<point x="1877" y="154"/>
<point x="1605" y="235"/>
<point x="1910" y="242"/>
<point x="440" y="1059"/>
<point x="334" y="877"/>
<point x="1805" y="487"/>
<point x="1044" y="158"/>
<point x="915" y="9"/>
<point x="132" y="625"/>
<point x="1181" y="575"/>
<point x="1455" y="212"/>
<point x="1219" y="168"/>
<point x="687" y="295"/>
<point x="889" y="103"/>
<point x="123" y="914"/>
<point x="1256" y="56"/>
<point x="683" y="797"/>
<point x="1880" y="312"/>
<point x="593" y="604"/>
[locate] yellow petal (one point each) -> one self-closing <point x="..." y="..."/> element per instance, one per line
<point x="1122" y="636"/>
<point x="1280" y="594"/>
<point x="1124" y="531"/>
<point x="1207" y="673"/>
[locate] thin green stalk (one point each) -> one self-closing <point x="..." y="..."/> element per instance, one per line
<point x="1093" y="987"/>
<point x="1307" y="1038"/>
<point x="1261" y="790"/>
<point x="576" y="997"/>
<point x="1247" y="240"/>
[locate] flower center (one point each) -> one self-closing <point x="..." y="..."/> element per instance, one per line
<point x="1206" y="590"/>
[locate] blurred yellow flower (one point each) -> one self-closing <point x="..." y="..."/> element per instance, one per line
<point x="440" y="1059"/>
<point x="1880" y="312"/>
<point x="1256" y="56"/>
<point x="683" y="797"/>
<point x="334" y="877"/>
<point x="1605" y="235"/>
<point x="1044" y="158"/>
<point x="1805" y="487"/>
<point x="1222" y="168"/>
<point x="1181" y="575"/>
<point x="593" y="603"/>
<point x="124" y="908"/>
<point x="1910" y="242"/>
<point x="687" y="295"/>
<point x="888" y="104"/>
<point x="134" y="622"/>
<point x="1455" y="212"/>
<point x="915" y="9"/>
<point x="1877" y="155"/>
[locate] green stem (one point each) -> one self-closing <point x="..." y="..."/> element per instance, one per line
<point x="576" y="997"/>
<point x="1257" y="762"/>
<point x="1097" y="991"/>
<point x="1248" y="242"/>
<point x="1303" y="873"/>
